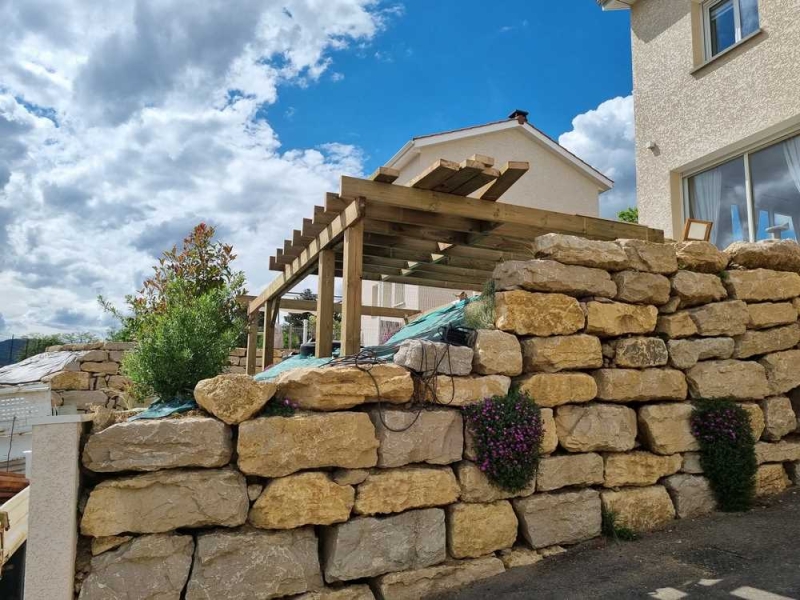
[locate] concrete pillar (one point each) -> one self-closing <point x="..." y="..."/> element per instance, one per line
<point x="53" y="508"/>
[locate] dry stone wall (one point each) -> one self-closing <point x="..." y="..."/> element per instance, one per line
<point x="355" y="499"/>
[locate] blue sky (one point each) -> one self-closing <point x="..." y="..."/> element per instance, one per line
<point x="452" y="63"/>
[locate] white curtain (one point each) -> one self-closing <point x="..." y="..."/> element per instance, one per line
<point x="791" y="150"/>
<point x="707" y="197"/>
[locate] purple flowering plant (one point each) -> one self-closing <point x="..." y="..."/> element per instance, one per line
<point x="727" y="452"/>
<point x="507" y="432"/>
<point x="279" y="408"/>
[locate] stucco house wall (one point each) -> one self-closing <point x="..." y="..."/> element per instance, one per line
<point x="700" y="114"/>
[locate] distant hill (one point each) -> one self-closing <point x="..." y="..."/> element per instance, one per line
<point x="11" y="350"/>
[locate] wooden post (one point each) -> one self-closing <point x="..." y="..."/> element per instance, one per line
<point x="324" y="334"/>
<point x="351" y="288"/>
<point x="271" y="310"/>
<point x="252" y="342"/>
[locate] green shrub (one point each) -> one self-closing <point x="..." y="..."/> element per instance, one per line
<point x="479" y="314"/>
<point x="507" y="431"/>
<point x="188" y="341"/>
<point x="611" y="529"/>
<point x="727" y="452"/>
<point x="279" y="408"/>
<point x="629" y="215"/>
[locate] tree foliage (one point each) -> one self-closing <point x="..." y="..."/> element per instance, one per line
<point x="38" y="343"/>
<point x="629" y="215"/>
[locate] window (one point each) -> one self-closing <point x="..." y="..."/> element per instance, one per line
<point x="728" y="22"/>
<point x="723" y="195"/>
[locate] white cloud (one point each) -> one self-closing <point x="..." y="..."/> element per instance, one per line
<point x="123" y="124"/>
<point x="604" y="137"/>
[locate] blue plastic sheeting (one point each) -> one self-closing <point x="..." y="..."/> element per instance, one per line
<point x="164" y="408"/>
<point x="297" y="361"/>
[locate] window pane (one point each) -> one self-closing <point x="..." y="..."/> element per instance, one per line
<point x="776" y="187"/>
<point x="748" y="10"/>
<point x="719" y="196"/>
<point x="722" y="26"/>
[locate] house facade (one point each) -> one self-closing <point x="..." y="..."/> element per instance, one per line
<point x="717" y="109"/>
<point x="557" y="180"/>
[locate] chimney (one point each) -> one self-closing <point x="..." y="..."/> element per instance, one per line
<point x="520" y="115"/>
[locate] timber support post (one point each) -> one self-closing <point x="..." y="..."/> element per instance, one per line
<point x="252" y="341"/>
<point x="271" y="310"/>
<point x="324" y="333"/>
<point x="352" y="273"/>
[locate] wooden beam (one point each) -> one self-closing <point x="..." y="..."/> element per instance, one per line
<point x="487" y="161"/>
<point x="448" y="204"/>
<point x="497" y="256"/>
<point x="324" y="333"/>
<point x="385" y="175"/>
<point x="381" y="212"/>
<point x="415" y="232"/>
<point x="300" y="240"/>
<point x="446" y="271"/>
<point x="307" y="260"/>
<point x="467" y="170"/>
<point x="334" y="203"/>
<point x="473" y="286"/>
<point x="481" y="179"/>
<point x="252" y="342"/>
<point x="351" y="287"/>
<point x="465" y="263"/>
<point x="435" y="175"/>
<point x="509" y="175"/>
<point x="310" y="306"/>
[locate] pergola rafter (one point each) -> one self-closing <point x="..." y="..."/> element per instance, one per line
<point x="443" y="229"/>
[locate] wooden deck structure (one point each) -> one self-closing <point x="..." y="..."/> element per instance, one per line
<point x="443" y="229"/>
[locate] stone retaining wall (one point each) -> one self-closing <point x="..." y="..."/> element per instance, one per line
<point x="349" y="499"/>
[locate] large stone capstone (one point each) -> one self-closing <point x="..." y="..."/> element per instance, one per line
<point x="526" y="313"/>
<point x="779" y="255"/>
<point x="279" y="446"/>
<point x="573" y="250"/>
<point x="233" y="398"/>
<point x="552" y="276"/>
<point x="150" y="445"/>
<point x="165" y="501"/>
<point x="651" y="257"/>
<point x="339" y="388"/>
<point x="703" y="257"/>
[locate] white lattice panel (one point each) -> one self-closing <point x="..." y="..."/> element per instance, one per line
<point x="24" y="403"/>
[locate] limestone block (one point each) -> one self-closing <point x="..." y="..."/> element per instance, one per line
<point x="780" y="255"/>
<point x="650" y="257"/>
<point x="561" y="353"/>
<point x="166" y="500"/>
<point x="550" y="436"/>
<point x="68" y="380"/>
<point x="368" y="546"/>
<point x="666" y="429"/>
<point x="727" y="379"/>
<point x="573" y="250"/>
<point x="697" y="288"/>
<point x="348" y="592"/>
<point x="783" y="451"/>
<point x="561" y="518"/>
<point x="552" y="276"/>
<point x="233" y="398"/>
<point x="703" y="257"/>
<point x="83" y="400"/>
<point x="691" y="495"/>
<point x="678" y="325"/>
<point x="609" y="319"/>
<point x="302" y="499"/>
<point x="641" y="288"/>
<point x="254" y="491"/>
<point x="395" y="490"/>
<point x="433" y="581"/>
<point x="753" y="343"/>
<point x="684" y="354"/>
<point x="430" y="436"/>
<point x="474" y="530"/>
<point x="279" y="446"/>
<point x="783" y="370"/>
<point x="691" y="463"/>
<point x="350" y="476"/>
<point x="118" y="382"/>
<point x="771" y="314"/>
<point x="720" y="318"/>
<point x="526" y="313"/>
<point x="424" y="356"/>
<point x="640" y="352"/>
<point x="477" y="487"/>
<point x="339" y="388"/>
<point x="569" y="470"/>
<point x="122" y="346"/>
<point x="771" y="480"/>
<point x="596" y="427"/>
<point x="109" y="542"/>
<point x="150" y="445"/>
<point x="519" y="556"/>
<point x="794" y="472"/>
<point x="756" y="416"/>
<point x="150" y="566"/>
<point x="779" y="418"/>
<point x="462" y="391"/>
<point x="639" y="509"/>
<point x="670" y="307"/>
<point x="107" y="368"/>
<point x="645" y="385"/>
<point x="94" y="356"/>
<point x="639" y="468"/>
<point x="497" y="353"/>
<point x="554" y="389"/>
<point x="254" y="565"/>
<point x="761" y="285"/>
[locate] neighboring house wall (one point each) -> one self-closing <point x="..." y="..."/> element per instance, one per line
<point x="698" y="116"/>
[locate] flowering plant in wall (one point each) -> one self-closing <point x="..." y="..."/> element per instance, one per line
<point x="279" y="408"/>
<point x="507" y="431"/>
<point x="727" y="452"/>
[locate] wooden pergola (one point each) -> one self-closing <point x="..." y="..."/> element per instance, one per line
<point x="443" y="229"/>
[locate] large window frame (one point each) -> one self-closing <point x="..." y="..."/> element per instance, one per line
<point x="752" y="215"/>
<point x="710" y="5"/>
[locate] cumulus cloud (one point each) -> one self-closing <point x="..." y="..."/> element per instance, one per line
<point x="604" y="137"/>
<point x="123" y="124"/>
